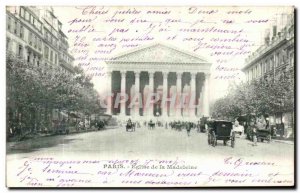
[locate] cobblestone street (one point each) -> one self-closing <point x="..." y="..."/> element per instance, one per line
<point x="144" y="142"/>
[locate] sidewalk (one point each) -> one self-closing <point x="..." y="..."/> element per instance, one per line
<point x="278" y="139"/>
<point x="38" y="135"/>
<point x="283" y="141"/>
<point x="289" y="141"/>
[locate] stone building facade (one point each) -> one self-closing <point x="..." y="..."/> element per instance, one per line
<point x="35" y="34"/>
<point x="165" y="71"/>
<point x="275" y="57"/>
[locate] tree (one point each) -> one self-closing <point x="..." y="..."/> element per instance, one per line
<point x="261" y="97"/>
<point x="34" y="91"/>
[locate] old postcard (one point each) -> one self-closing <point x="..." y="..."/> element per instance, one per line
<point x="157" y="96"/>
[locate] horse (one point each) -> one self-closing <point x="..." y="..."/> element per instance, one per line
<point x="188" y="127"/>
<point x="151" y="126"/>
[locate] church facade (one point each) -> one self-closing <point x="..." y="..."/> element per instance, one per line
<point x="158" y="81"/>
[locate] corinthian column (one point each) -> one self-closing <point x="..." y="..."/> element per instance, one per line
<point x="151" y="91"/>
<point x="206" y="95"/>
<point x="137" y="92"/>
<point x="164" y="108"/>
<point x="123" y="93"/>
<point x="179" y="89"/>
<point x="109" y="96"/>
<point x="192" y="102"/>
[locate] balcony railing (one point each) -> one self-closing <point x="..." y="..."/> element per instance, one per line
<point x="66" y="65"/>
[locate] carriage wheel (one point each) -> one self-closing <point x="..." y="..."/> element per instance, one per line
<point x="214" y="139"/>
<point x="209" y="139"/>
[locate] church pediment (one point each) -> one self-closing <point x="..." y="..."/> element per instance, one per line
<point x="158" y="53"/>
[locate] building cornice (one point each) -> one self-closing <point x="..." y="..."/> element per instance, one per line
<point x="264" y="54"/>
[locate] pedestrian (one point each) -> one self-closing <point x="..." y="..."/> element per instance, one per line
<point x="254" y="136"/>
<point x="253" y="127"/>
<point x="188" y="128"/>
<point x="237" y="128"/>
<point x="267" y="123"/>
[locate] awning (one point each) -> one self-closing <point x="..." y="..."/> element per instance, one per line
<point x="105" y="115"/>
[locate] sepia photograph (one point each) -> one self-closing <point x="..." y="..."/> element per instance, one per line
<point x="150" y="96"/>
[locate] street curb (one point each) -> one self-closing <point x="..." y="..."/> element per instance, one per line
<point x="286" y="142"/>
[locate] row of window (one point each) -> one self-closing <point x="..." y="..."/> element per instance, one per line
<point x="50" y="28"/>
<point x="51" y="39"/>
<point x="31" y="56"/>
<point x="50" y="36"/>
<point x="15" y="27"/>
<point x="34" y="41"/>
<point x="63" y="45"/>
<point x="50" y="55"/>
<point x="31" y="19"/>
<point x="269" y="64"/>
<point x="52" y="31"/>
<point x="34" y="59"/>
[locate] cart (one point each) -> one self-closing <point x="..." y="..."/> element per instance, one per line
<point x="220" y="130"/>
<point x="130" y="127"/>
<point x="263" y="134"/>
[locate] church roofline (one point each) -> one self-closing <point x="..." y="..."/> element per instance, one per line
<point x="116" y="58"/>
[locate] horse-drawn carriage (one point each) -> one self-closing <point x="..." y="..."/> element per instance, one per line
<point x="220" y="130"/>
<point x="256" y="128"/>
<point x="260" y="133"/>
<point x="264" y="134"/>
<point x="130" y="126"/>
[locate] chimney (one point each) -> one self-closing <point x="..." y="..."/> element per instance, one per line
<point x="267" y="36"/>
<point x="274" y="29"/>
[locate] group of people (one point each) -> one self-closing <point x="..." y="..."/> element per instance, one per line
<point x="179" y="125"/>
<point x="251" y="127"/>
<point x="175" y="125"/>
